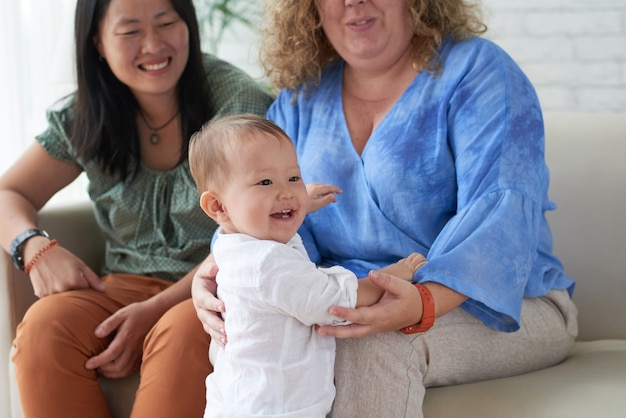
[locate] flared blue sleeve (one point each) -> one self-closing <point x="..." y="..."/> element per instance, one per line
<point x="497" y="247"/>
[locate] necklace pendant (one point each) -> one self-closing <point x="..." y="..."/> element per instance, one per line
<point x="154" y="138"/>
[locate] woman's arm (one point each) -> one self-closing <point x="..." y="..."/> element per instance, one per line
<point x="400" y="306"/>
<point x="396" y="309"/>
<point x="26" y="186"/>
<point x="24" y="189"/>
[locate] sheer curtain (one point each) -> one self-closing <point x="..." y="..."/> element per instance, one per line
<point x="37" y="70"/>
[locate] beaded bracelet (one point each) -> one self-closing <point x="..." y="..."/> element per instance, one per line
<point x="37" y="256"/>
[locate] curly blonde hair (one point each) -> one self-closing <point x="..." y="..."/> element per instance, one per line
<point x="295" y="49"/>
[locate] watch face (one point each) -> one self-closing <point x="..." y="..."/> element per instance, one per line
<point x="17" y="262"/>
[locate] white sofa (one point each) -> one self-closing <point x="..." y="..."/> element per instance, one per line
<point x="586" y="154"/>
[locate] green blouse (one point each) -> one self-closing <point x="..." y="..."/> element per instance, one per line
<point x="152" y="223"/>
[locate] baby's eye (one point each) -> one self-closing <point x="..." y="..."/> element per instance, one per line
<point x="265" y="182"/>
<point x="294" y="178"/>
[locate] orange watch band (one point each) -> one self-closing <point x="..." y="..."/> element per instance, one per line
<point x="428" y="312"/>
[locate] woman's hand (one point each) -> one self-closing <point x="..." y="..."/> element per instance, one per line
<point x="129" y="327"/>
<point x="208" y="306"/>
<point x="58" y="270"/>
<point x="399" y="307"/>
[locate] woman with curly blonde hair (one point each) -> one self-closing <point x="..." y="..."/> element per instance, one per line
<point x="435" y="137"/>
<point x="295" y="47"/>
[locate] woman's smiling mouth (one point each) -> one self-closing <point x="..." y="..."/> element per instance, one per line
<point x="155" y="67"/>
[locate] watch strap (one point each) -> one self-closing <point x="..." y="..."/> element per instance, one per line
<point x="428" y="312"/>
<point x="17" y="245"/>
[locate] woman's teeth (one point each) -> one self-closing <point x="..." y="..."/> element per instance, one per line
<point x="361" y="23"/>
<point x="155" y="67"/>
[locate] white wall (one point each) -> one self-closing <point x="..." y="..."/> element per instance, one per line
<point x="36" y="71"/>
<point x="36" y="68"/>
<point x="574" y="51"/>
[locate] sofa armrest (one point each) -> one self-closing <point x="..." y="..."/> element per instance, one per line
<point x="76" y="229"/>
<point x="585" y="153"/>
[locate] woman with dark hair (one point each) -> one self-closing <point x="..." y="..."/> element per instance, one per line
<point x="143" y="87"/>
<point x="435" y="137"/>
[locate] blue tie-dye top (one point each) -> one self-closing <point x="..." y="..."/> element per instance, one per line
<point x="455" y="171"/>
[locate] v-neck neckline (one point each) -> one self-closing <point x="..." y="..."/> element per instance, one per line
<point x="381" y="126"/>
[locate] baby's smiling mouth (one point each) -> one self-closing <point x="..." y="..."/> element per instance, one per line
<point x="283" y="214"/>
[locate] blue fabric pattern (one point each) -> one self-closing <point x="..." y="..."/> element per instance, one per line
<point x="455" y="171"/>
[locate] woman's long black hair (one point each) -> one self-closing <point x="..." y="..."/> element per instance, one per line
<point x="104" y="127"/>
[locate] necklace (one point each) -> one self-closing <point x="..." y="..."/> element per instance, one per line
<point x="154" y="137"/>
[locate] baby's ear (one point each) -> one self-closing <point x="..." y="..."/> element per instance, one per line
<point x="212" y="206"/>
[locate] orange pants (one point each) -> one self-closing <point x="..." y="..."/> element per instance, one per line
<point x="56" y="338"/>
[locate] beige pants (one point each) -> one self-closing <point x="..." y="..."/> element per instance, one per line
<point x="56" y="338"/>
<point x="386" y="375"/>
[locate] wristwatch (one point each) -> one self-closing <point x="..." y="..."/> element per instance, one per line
<point x="17" y="246"/>
<point x="428" y="312"/>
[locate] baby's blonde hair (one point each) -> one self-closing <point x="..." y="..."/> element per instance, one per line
<point x="211" y="147"/>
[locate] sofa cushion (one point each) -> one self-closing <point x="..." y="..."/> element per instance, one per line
<point x="591" y="382"/>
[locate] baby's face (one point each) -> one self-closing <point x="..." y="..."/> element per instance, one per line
<point x="265" y="196"/>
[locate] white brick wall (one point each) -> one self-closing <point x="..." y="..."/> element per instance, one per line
<point x="573" y="51"/>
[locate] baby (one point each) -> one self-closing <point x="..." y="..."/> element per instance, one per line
<point x="248" y="177"/>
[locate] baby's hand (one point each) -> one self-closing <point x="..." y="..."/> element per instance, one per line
<point x="414" y="261"/>
<point x="321" y="195"/>
<point x="405" y="268"/>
